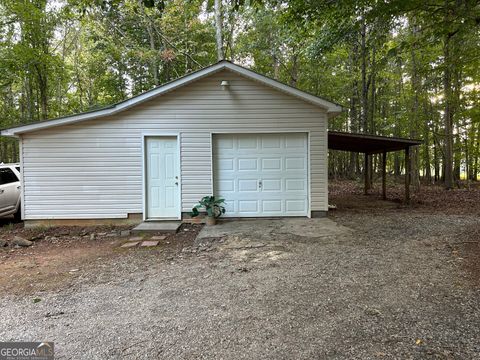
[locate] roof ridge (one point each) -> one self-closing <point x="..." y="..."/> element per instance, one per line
<point x="330" y="107"/>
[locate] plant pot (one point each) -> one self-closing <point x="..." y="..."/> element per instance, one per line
<point x="210" y="220"/>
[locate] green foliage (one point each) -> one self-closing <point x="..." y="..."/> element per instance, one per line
<point x="213" y="207"/>
<point x="387" y="62"/>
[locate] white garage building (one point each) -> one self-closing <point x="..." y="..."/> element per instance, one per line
<point x="223" y="130"/>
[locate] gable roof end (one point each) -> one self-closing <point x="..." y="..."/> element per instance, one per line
<point x="331" y="108"/>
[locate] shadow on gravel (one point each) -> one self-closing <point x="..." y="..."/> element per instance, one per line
<point x="8" y="221"/>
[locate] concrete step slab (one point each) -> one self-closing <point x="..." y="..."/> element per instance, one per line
<point x="136" y="238"/>
<point x="130" y="244"/>
<point x="158" y="226"/>
<point x="149" y="243"/>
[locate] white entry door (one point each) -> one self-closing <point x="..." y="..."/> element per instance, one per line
<point x="162" y="178"/>
<point x="262" y="174"/>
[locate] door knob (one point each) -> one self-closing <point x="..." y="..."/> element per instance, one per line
<point x="176" y="183"/>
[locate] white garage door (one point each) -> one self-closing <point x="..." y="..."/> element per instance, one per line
<point x="262" y="174"/>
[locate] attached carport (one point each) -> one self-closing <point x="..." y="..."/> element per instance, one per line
<point x="374" y="144"/>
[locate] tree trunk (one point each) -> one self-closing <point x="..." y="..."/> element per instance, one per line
<point x="43" y="90"/>
<point x="477" y="155"/>
<point x="354" y="121"/>
<point x="396" y="129"/>
<point x="373" y="99"/>
<point x="457" y="158"/>
<point x="426" y="136"/>
<point x="153" y="60"/>
<point x="447" y="117"/>
<point x="151" y="38"/>
<point x="414" y="158"/>
<point x="371" y="112"/>
<point x="276" y="65"/>
<point x="294" y="71"/>
<point x="219" y="29"/>
<point x="364" y="108"/>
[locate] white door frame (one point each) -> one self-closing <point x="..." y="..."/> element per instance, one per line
<point x="257" y="132"/>
<point x="146" y="135"/>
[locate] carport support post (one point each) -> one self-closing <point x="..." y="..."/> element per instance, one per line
<point x="407" y="175"/>
<point x="366" y="175"/>
<point x="384" y="175"/>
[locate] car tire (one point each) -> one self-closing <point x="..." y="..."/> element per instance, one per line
<point x="18" y="215"/>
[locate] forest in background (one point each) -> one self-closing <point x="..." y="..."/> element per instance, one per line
<point x="406" y="68"/>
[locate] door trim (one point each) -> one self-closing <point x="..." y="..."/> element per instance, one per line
<point x="146" y="135"/>
<point x="260" y="132"/>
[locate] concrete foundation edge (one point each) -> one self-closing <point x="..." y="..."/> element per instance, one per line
<point x="132" y="219"/>
<point x="319" y="214"/>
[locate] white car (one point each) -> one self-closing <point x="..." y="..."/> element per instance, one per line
<point x="10" y="190"/>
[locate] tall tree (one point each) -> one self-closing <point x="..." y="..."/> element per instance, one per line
<point x="219" y="29"/>
<point x="402" y="67"/>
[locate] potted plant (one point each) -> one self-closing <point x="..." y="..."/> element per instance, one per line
<point x="213" y="207"/>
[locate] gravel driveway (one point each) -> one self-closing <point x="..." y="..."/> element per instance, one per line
<point x="394" y="285"/>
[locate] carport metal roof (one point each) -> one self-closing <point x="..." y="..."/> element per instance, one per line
<point x="366" y="143"/>
<point x="374" y="144"/>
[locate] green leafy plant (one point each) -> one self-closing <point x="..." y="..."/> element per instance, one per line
<point x="213" y="207"/>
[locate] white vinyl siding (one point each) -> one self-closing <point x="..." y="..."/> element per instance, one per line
<point x="93" y="169"/>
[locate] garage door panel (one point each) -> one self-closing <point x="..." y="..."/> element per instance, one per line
<point x="295" y="205"/>
<point x="272" y="206"/>
<point x="248" y="206"/>
<point x="226" y="164"/>
<point x="296" y="141"/>
<point x="247" y="164"/>
<point x="224" y="143"/>
<point x="230" y="206"/>
<point x="226" y="185"/>
<point x="249" y="143"/>
<point x="295" y="185"/>
<point x="270" y="164"/>
<point x="295" y="163"/>
<point x="248" y="185"/>
<point x="272" y="185"/>
<point x="262" y="174"/>
<point x="271" y="142"/>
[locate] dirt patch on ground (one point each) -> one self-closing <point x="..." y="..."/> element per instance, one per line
<point x="472" y="255"/>
<point x="467" y="250"/>
<point x="390" y="287"/>
<point x="401" y="283"/>
<point x="349" y="195"/>
<point x="45" y="266"/>
<point x="59" y="255"/>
